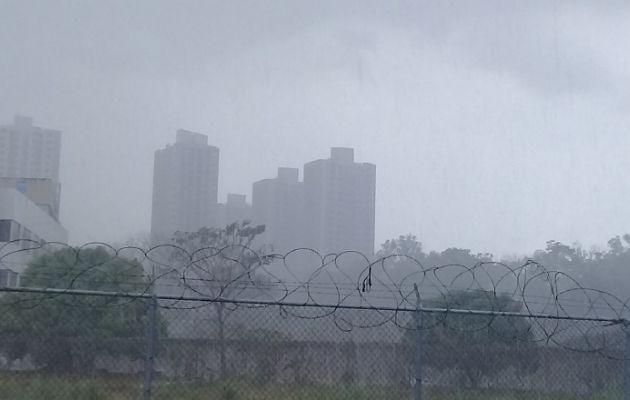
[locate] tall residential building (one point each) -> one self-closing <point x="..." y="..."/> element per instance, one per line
<point x="278" y="204"/>
<point x="185" y="186"/>
<point x="29" y="194"/>
<point x="28" y="151"/>
<point x="339" y="203"/>
<point x="29" y="162"/>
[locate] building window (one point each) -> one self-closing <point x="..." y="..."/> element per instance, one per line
<point x="8" y="278"/>
<point x="16" y="230"/>
<point x="10" y="230"/>
<point x="5" y="230"/>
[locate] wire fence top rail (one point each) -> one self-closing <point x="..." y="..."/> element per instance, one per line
<point x="149" y="296"/>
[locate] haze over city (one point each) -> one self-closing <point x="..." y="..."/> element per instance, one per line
<point x="324" y="199"/>
<point x="495" y="126"/>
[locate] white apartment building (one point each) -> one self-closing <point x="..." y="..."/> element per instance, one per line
<point x="185" y="186"/>
<point x="331" y="211"/>
<point x="20" y="218"/>
<point x="28" y="151"/>
<point x="44" y="192"/>
<point x="339" y="203"/>
<point x="278" y="204"/>
<point x="29" y="194"/>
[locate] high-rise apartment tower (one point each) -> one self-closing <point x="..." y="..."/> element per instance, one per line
<point x="29" y="194"/>
<point x="28" y="151"/>
<point x="278" y="204"/>
<point x="339" y="203"/>
<point x="185" y="185"/>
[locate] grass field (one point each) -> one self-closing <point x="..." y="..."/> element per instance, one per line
<point x="50" y="388"/>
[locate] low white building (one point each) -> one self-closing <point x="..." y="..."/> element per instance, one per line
<point x="23" y="224"/>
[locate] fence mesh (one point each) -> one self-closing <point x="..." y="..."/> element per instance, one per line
<point x="228" y="323"/>
<point x="212" y="350"/>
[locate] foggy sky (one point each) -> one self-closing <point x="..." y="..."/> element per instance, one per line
<point x="494" y="125"/>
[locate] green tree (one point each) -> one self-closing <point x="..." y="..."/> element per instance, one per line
<point x="558" y="256"/>
<point x="407" y="245"/>
<point x="476" y="346"/>
<point x="64" y="333"/>
<point x="221" y="263"/>
<point x="402" y="255"/>
<point x="404" y="260"/>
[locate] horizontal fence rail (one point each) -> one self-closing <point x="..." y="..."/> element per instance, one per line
<point x="245" y="302"/>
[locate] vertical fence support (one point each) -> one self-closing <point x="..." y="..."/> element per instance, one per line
<point x="150" y="356"/>
<point x="626" y="362"/>
<point x="418" y="359"/>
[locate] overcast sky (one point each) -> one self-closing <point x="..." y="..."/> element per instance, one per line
<point x="494" y="125"/>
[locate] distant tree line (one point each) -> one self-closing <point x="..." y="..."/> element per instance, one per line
<point x="603" y="269"/>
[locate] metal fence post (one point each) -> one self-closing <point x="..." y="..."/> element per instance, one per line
<point x="151" y="339"/>
<point x="626" y="362"/>
<point x="417" y="387"/>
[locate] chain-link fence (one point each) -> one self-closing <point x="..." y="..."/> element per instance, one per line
<point x="94" y="322"/>
<point x="72" y="344"/>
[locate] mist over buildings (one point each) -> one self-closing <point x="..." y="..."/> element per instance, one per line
<point x="331" y="211"/>
<point x="494" y="126"/>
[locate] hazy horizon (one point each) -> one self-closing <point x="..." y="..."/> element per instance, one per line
<point x="494" y="125"/>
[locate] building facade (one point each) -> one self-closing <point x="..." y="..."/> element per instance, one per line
<point x="185" y="186"/>
<point x="331" y="211"/>
<point x="44" y="192"/>
<point x="23" y="225"/>
<point x="278" y="204"/>
<point x="28" y="151"/>
<point x="29" y="194"/>
<point x="339" y="203"/>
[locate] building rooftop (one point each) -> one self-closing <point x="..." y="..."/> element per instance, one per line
<point x="191" y="138"/>
<point x="342" y="154"/>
